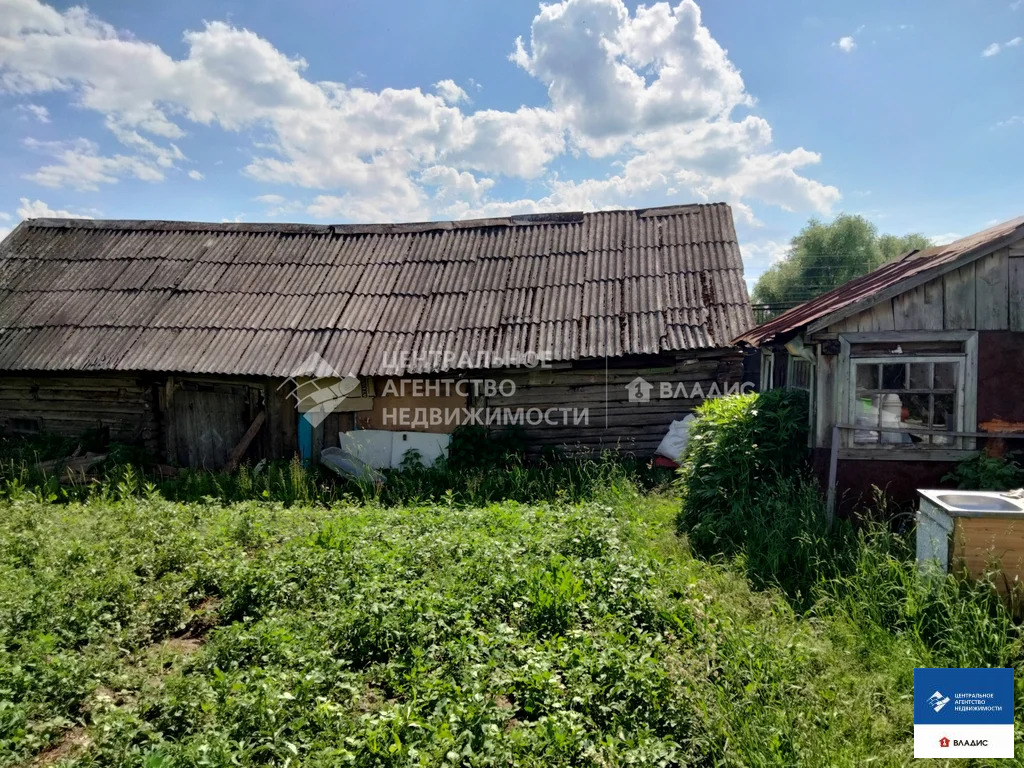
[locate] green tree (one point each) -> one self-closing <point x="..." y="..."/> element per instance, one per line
<point x="824" y="256"/>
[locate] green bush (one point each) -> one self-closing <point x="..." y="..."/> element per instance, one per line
<point x="741" y="446"/>
<point x="747" y="495"/>
<point x="986" y="473"/>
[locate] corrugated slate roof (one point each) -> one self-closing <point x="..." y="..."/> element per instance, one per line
<point x="859" y="291"/>
<point x="259" y="299"/>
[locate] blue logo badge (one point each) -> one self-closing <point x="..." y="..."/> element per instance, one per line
<point x="963" y="713"/>
<point x="963" y="696"/>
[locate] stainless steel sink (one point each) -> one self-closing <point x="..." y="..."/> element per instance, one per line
<point x="972" y="502"/>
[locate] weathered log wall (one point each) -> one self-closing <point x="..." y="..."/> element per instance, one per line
<point x="121" y="407"/>
<point x="614" y="422"/>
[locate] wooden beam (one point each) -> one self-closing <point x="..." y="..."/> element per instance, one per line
<point x="243" y="445"/>
<point x="833" y="470"/>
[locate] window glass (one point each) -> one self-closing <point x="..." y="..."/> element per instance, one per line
<point x="893" y="376"/>
<point x="945" y="375"/>
<point x="921" y="375"/>
<point x="899" y="403"/>
<point x="867" y="376"/>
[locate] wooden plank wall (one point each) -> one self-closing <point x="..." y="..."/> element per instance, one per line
<point x="123" y="406"/>
<point x="986" y="295"/>
<point x="623" y="426"/>
<point x="981" y="542"/>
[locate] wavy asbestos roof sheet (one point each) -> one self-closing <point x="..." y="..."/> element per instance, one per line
<point x="259" y="299"/>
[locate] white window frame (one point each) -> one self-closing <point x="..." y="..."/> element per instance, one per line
<point x="811" y="390"/>
<point x="767" y="369"/>
<point x="967" y="390"/>
<point x="961" y="382"/>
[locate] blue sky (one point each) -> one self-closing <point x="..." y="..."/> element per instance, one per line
<point x="911" y="113"/>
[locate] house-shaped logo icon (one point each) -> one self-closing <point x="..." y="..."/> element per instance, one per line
<point x="639" y="390"/>
<point x="943" y="742"/>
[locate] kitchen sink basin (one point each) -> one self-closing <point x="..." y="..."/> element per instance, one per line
<point x="972" y="502"/>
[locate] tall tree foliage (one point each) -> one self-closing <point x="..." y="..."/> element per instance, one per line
<point x="824" y="256"/>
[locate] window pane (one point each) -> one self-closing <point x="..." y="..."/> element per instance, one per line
<point x="945" y="375"/>
<point x="867" y="376"/>
<point x="890" y="416"/>
<point x="801" y="371"/>
<point x="916" y="411"/>
<point x="945" y="411"/>
<point x="894" y="376"/>
<point x="920" y="375"/>
<point x="866" y="416"/>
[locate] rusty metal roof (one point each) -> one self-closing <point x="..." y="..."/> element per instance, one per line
<point x="259" y="299"/>
<point x="857" y="294"/>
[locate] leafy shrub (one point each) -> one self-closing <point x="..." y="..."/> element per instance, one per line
<point x="740" y="446"/>
<point x="986" y="473"/>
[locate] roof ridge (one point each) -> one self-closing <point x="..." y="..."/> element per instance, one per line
<point x="525" y="219"/>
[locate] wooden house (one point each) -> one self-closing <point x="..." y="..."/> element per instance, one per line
<point x="199" y="339"/>
<point x="911" y="367"/>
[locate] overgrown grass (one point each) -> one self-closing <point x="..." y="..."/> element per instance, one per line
<point x="325" y="626"/>
<point x="529" y="635"/>
<point x="154" y="633"/>
<point x="484" y="468"/>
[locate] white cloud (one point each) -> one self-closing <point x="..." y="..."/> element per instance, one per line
<point x="80" y="166"/>
<point x="846" y="44"/>
<point x="996" y="48"/>
<point x="37" y="209"/>
<point x="450" y="92"/>
<point x="611" y="75"/>
<point x="1011" y="121"/>
<point x="760" y="255"/>
<point x="278" y="205"/>
<point x="652" y="87"/>
<point x="38" y="111"/>
<point x="944" y="238"/>
<point x="195" y="175"/>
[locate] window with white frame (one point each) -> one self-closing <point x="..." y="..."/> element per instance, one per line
<point x="767" y="370"/>
<point x="911" y="395"/>
<point x="800" y="374"/>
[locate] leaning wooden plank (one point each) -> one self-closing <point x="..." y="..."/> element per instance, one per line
<point x="243" y="445"/>
<point x="73" y="463"/>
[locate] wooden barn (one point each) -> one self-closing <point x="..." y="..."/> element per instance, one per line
<point x="199" y="341"/>
<point x="912" y="367"/>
